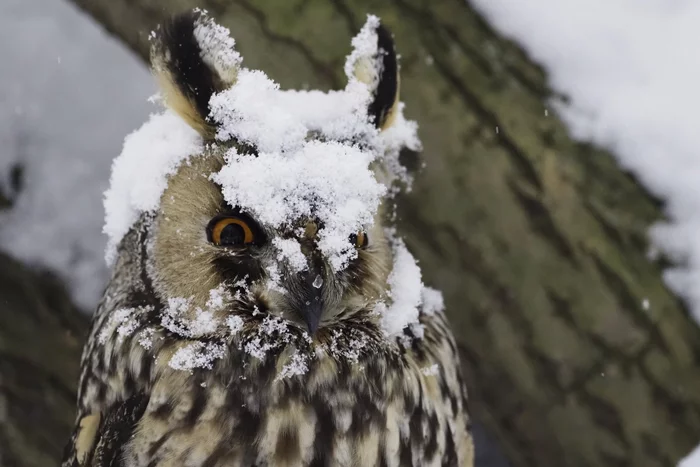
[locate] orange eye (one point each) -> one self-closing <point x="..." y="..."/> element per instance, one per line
<point x="360" y="239"/>
<point x="230" y="231"/>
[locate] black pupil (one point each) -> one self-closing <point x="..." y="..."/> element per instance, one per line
<point x="232" y="234"/>
<point x="355" y="238"/>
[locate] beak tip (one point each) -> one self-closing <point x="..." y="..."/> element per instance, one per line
<point x="311" y="315"/>
<point x="312" y="327"/>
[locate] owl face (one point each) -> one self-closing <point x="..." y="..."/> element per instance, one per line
<point x="274" y="209"/>
<point x="202" y="246"/>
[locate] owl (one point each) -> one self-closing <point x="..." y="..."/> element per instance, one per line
<point x="262" y="311"/>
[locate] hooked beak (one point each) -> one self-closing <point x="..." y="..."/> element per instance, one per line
<point x="309" y="300"/>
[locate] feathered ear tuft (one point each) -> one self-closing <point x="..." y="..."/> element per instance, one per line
<point x="193" y="58"/>
<point x="373" y="61"/>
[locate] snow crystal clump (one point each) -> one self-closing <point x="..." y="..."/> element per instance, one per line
<point x="145" y="338"/>
<point x="405" y="287"/>
<point x="234" y="323"/>
<point x="250" y="113"/>
<point x="350" y="349"/>
<point x="124" y="321"/>
<point x="197" y="355"/>
<point x="217" y="48"/>
<point x="407" y="294"/>
<point x="290" y="249"/>
<point x="298" y="365"/>
<point x="432" y="301"/>
<point x="337" y="115"/>
<point x="204" y="322"/>
<point x="139" y="174"/>
<point x="364" y="47"/>
<point x="329" y="180"/>
<point x="258" y="347"/>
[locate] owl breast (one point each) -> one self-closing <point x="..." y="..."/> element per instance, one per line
<point x="403" y="407"/>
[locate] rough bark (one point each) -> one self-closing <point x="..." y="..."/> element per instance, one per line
<point x="538" y="242"/>
<point x="41" y="335"/>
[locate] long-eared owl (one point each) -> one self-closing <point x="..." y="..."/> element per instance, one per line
<point x="262" y="311"/>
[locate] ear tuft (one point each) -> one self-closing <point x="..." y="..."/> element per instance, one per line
<point x="193" y="58"/>
<point x="373" y="61"/>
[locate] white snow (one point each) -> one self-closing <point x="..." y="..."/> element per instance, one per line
<point x="290" y="249"/>
<point x="364" y="47"/>
<point x="184" y="319"/>
<point x="405" y="288"/>
<point x="257" y="348"/>
<point x="197" y="355"/>
<point x="328" y="179"/>
<point x="218" y="47"/>
<point x="69" y="94"/>
<point x="338" y="115"/>
<point x="298" y="365"/>
<point x="631" y="73"/>
<point x="139" y="174"/>
<point x="120" y="321"/>
<point x="349" y="349"/>
<point x="145" y="338"/>
<point x="248" y="111"/>
<point x="432" y="301"/>
<point x="692" y="460"/>
<point x="234" y="323"/>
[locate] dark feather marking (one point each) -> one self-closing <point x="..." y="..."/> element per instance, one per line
<point x="117" y="429"/>
<point x="385" y="95"/>
<point x="236" y="268"/>
<point x="215" y="457"/>
<point x="163" y="411"/>
<point x="101" y="392"/>
<point x="366" y="415"/>
<point x="191" y="75"/>
<point x="432" y="445"/>
<point x="154" y="447"/>
<point x="287" y="447"/>
<point x="405" y="457"/>
<point x="325" y="432"/>
<point x="454" y="403"/>
<point x="415" y="422"/>
<point x="375" y="372"/>
<point x="449" y="458"/>
<point x="199" y="403"/>
<point x="247" y="424"/>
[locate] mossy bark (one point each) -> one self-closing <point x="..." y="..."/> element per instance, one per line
<point x="538" y="242"/>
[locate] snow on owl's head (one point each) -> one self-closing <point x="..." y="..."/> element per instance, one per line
<point x="265" y="202"/>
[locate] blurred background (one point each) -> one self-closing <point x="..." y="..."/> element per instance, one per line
<point x="558" y="208"/>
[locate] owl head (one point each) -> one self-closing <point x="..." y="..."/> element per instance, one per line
<point x="264" y="202"/>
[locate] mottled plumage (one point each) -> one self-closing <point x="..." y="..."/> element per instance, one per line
<point x="362" y="399"/>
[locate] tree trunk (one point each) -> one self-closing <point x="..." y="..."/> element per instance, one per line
<point x="538" y="242"/>
<point x="41" y="335"/>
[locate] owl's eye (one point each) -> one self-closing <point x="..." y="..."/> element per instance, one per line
<point x="231" y="231"/>
<point x="360" y="239"/>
